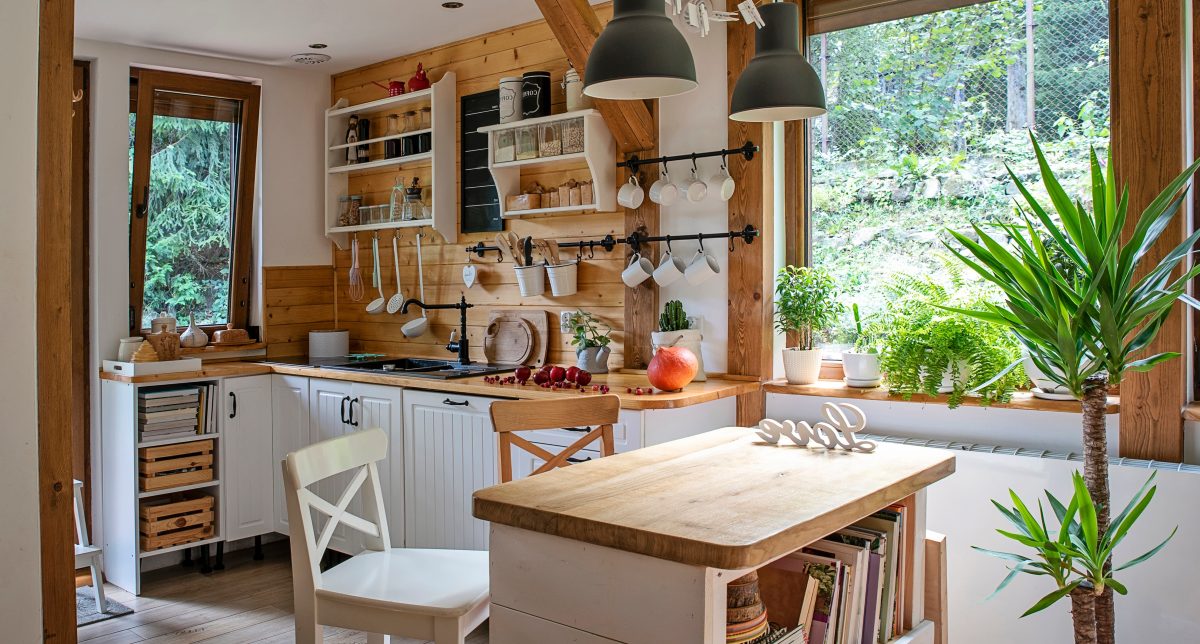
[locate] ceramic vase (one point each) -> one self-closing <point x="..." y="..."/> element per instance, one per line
<point x="593" y="359"/>
<point x="802" y="366"/>
<point x="193" y="337"/>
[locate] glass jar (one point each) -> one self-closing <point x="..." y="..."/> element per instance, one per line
<point x="354" y="214"/>
<point x="391" y="147"/>
<point x="572" y="136"/>
<point x="411" y="121"/>
<point x="549" y="140"/>
<point x="396" y="203"/>
<point x="505" y="142"/>
<point x="527" y="142"/>
<point x="426" y="118"/>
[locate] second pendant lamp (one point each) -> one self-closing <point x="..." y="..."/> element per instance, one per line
<point x="639" y="55"/>
<point x="778" y="83"/>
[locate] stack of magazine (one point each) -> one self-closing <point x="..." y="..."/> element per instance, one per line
<point x="176" y="412"/>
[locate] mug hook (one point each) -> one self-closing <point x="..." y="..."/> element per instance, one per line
<point x="664" y="169"/>
<point x="700" y="238"/>
<point x="695" y="168"/>
<point x="669" y="245"/>
<point x="731" y="244"/>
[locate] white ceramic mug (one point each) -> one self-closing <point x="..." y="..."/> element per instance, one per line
<point x="670" y="269"/>
<point x="631" y="194"/>
<point x="702" y="268"/>
<point x="662" y="191"/>
<point x="721" y="184"/>
<point x="638" y="271"/>
<point x="694" y="188"/>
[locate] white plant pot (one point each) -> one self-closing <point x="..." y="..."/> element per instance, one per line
<point x="687" y="338"/>
<point x="1043" y="386"/>
<point x="862" y="369"/>
<point x="802" y="366"/>
<point x="964" y="372"/>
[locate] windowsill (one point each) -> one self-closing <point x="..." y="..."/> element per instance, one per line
<point x="1020" y="400"/>
<point x="1191" y="411"/>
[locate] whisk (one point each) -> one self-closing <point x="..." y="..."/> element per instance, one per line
<point x="356" y="291"/>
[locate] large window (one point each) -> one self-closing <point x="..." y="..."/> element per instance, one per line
<point x="924" y="113"/>
<point x="191" y="153"/>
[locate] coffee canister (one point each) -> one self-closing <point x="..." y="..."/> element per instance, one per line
<point x="510" y="99"/>
<point x="535" y="94"/>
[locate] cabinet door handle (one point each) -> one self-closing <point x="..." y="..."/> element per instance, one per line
<point x="345" y="420"/>
<point x="572" y="459"/>
<point x="354" y="423"/>
<point x="233" y="412"/>
<point x="456" y="403"/>
<point x="580" y="430"/>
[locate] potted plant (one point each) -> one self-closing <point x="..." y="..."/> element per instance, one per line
<point x="861" y="362"/>
<point x="930" y="349"/>
<point x="1087" y="325"/>
<point x="674" y="331"/>
<point x="806" y="305"/>
<point x="591" y="345"/>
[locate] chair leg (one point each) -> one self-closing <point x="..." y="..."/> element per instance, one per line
<point x="220" y="563"/>
<point x="308" y="631"/>
<point x="98" y="586"/>
<point x="448" y="630"/>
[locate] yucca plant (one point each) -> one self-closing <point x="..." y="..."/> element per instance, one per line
<point x="1075" y="304"/>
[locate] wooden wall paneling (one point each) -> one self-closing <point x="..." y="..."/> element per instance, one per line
<point x="296" y="300"/>
<point x="479" y="63"/>
<point x="59" y="341"/>
<point x="576" y="26"/>
<point x="1148" y="145"/>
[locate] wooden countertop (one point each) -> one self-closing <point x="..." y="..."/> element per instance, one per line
<point x="693" y="394"/>
<point x="721" y="499"/>
<point x="838" y="389"/>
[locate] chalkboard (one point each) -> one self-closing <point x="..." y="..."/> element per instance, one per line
<point x="480" y="203"/>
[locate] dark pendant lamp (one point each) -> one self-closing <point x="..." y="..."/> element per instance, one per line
<point x="778" y="84"/>
<point x="639" y="55"/>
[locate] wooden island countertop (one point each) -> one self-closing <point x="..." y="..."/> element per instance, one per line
<point x="722" y="499"/>
<point x="694" y="394"/>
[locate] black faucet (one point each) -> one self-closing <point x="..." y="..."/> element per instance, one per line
<point x="462" y="345"/>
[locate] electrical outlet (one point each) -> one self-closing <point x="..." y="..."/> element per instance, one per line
<point x="693" y="321"/>
<point x="564" y="321"/>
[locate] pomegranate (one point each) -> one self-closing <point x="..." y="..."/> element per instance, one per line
<point x="572" y="371"/>
<point x="672" y="368"/>
<point x="541" y="378"/>
<point x="558" y="374"/>
<point x="523" y="374"/>
<point x="583" y="377"/>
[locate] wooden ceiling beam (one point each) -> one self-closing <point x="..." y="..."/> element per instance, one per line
<point x="576" y="26"/>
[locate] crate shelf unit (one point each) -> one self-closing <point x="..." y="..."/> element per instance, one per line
<point x="131" y="507"/>
<point x="438" y="165"/>
<point x="599" y="152"/>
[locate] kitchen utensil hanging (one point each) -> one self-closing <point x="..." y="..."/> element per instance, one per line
<point x="396" y="301"/>
<point x="356" y="290"/>
<point x="377" y="305"/>
<point x="418" y="326"/>
<point x="635" y="241"/>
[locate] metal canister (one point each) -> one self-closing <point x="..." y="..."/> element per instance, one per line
<point x="535" y="94"/>
<point x="510" y="99"/>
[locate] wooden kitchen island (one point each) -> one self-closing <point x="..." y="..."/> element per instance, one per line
<point x="639" y="547"/>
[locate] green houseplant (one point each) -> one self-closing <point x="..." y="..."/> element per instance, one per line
<point x="675" y="330"/>
<point x="806" y="305"/>
<point x="1085" y="309"/>
<point x="591" y="344"/>
<point x="928" y="349"/>
<point x="861" y="363"/>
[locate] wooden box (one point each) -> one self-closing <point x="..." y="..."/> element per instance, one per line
<point x="176" y="519"/>
<point x="175" y="465"/>
<point x="523" y="202"/>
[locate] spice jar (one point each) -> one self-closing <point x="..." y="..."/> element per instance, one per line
<point x="411" y="121"/>
<point x="572" y="136"/>
<point x="549" y="140"/>
<point x="573" y="87"/>
<point x="391" y="147"/>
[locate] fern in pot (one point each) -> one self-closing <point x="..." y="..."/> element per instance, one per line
<point x="861" y="363"/>
<point x="674" y="330"/>
<point x="806" y="305"/>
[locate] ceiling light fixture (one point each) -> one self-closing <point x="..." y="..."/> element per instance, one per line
<point x="452" y="5"/>
<point x="778" y="84"/>
<point x="639" y="55"/>
<point x="318" y="45"/>
<point x="309" y="58"/>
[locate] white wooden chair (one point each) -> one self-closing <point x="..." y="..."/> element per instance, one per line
<point x="87" y="555"/>
<point x="439" y="595"/>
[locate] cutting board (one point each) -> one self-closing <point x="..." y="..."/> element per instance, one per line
<point x="539" y="320"/>
<point x="508" y="340"/>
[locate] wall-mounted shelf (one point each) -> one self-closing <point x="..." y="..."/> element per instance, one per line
<point x="599" y="152"/>
<point x="442" y="101"/>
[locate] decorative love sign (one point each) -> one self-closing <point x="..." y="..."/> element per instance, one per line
<point x="838" y="432"/>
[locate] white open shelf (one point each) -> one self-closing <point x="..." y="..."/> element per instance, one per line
<point x="442" y="100"/>
<point x="181" y="439"/>
<point x="599" y="152"/>
<point x="181" y="488"/>
<point x="190" y="544"/>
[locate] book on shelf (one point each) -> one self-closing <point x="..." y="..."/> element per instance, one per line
<point x="157" y="394"/>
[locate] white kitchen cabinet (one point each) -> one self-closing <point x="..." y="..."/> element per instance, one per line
<point x="380" y="406"/>
<point x="329" y="417"/>
<point x="290" y="432"/>
<point x="249" y="500"/>
<point x="449" y="452"/>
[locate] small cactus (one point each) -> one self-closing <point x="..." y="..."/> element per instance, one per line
<point x="673" y="317"/>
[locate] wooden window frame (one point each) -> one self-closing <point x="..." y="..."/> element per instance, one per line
<point x="149" y="81"/>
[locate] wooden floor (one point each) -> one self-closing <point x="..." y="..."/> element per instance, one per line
<point x="249" y="601"/>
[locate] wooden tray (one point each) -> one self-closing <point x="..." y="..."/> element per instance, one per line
<point x="176" y="519"/>
<point x="508" y="340"/>
<point x="168" y="466"/>
<point x="539" y="320"/>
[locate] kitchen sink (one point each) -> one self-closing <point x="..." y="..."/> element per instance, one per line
<point x="422" y="368"/>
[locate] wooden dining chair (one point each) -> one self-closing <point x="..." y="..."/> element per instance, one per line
<point x="572" y="414"/>
<point x="439" y="595"/>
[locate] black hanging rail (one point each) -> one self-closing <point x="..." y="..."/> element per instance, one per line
<point x="747" y="151"/>
<point x="635" y="241"/>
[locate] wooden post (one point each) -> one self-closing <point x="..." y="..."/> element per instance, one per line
<point x="641" y="301"/>
<point x="57" y="315"/>
<point x="1148" y="145"/>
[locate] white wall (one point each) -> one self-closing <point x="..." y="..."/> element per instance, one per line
<point x="698" y="122"/>
<point x="20" y="597"/>
<point x="289" y="190"/>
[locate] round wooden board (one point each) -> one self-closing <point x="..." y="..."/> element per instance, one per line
<point x="508" y="341"/>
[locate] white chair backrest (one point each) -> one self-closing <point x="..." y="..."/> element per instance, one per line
<point x="358" y="453"/>
<point x="81" y="532"/>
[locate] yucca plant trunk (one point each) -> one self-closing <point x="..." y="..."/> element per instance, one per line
<point x="1083" y="614"/>
<point x="1095" y="474"/>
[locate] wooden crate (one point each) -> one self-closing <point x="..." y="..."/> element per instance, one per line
<point x="175" y="465"/>
<point x="176" y="519"/>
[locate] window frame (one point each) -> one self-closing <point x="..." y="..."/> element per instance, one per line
<point x="149" y="81"/>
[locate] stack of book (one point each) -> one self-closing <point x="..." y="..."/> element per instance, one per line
<point x="845" y="588"/>
<point x="175" y="412"/>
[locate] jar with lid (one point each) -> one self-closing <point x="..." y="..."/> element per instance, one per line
<point x="573" y="88"/>
<point x="505" y="143"/>
<point x="527" y="142"/>
<point x="414" y="206"/>
<point x="425" y="118"/>
<point x="391" y="147"/>
<point x="412" y="122"/>
<point x="354" y="211"/>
